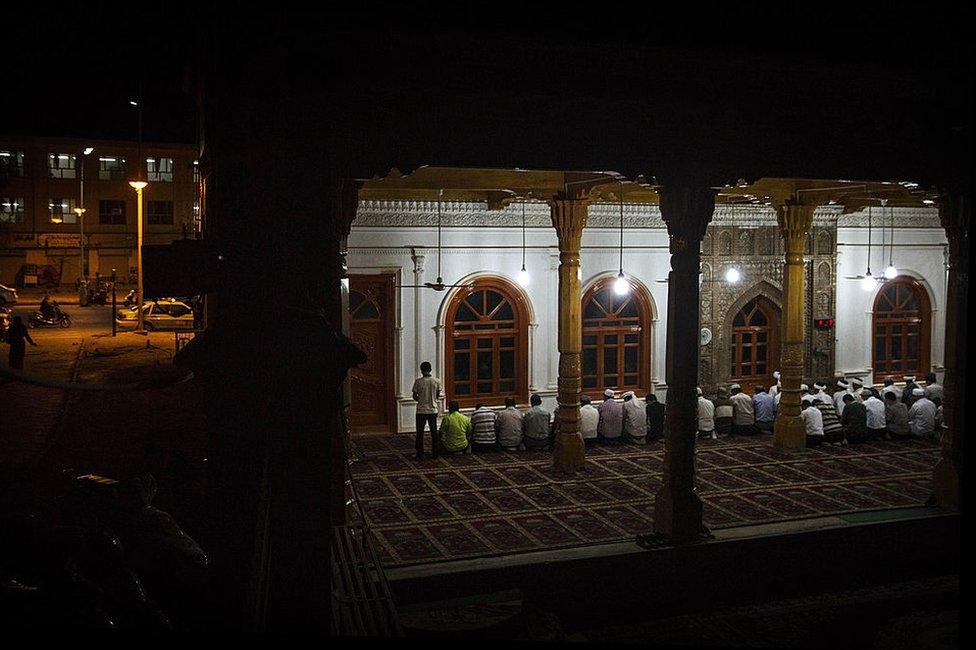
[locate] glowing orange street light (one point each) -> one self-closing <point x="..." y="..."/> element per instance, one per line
<point x="138" y="186"/>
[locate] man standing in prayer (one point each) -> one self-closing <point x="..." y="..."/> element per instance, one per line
<point x="896" y="416"/>
<point x="875" y="415"/>
<point x="510" y="426"/>
<point x="484" y="429"/>
<point x="535" y="425"/>
<point x="655" y="417"/>
<point x="723" y="412"/>
<point x="706" y="417"/>
<point x="635" y="419"/>
<point x="839" y="396"/>
<point x="765" y="408"/>
<point x="921" y="416"/>
<point x="743" y="412"/>
<point x="813" y="421"/>
<point x="611" y="418"/>
<point x="426" y="392"/>
<point x="589" y="420"/>
<point x="933" y="389"/>
<point x="854" y="419"/>
<point x="832" y="428"/>
<point x="455" y="431"/>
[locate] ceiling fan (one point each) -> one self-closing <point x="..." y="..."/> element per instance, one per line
<point x="439" y="285"/>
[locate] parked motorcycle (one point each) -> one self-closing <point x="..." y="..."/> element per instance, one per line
<point x="59" y="319"/>
<point x="130" y="298"/>
<point x="100" y="294"/>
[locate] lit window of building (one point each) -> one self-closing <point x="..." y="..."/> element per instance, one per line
<point x="62" y="210"/>
<point x="11" y="210"/>
<point x="159" y="169"/>
<point x="11" y="163"/>
<point x="159" y="212"/>
<point x="61" y="165"/>
<point x="111" y="212"/>
<point x="197" y="220"/>
<point x="111" y="168"/>
<point x="196" y="171"/>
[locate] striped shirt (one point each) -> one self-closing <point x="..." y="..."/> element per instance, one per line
<point x="611" y="419"/>
<point x="831" y="423"/>
<point x="483" y="426"/>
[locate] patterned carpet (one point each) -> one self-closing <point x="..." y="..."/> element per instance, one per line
<point x="499" y="503"/>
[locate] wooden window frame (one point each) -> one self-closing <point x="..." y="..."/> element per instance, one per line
<point x="771" y="329"/>
<point x="519" y="331"/>
<point x="644" y="342"/>
<point x="880" y="368"/>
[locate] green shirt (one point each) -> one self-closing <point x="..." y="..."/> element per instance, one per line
<point x="455" y="431"/>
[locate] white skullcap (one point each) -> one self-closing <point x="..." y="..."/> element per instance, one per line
<point x="804" y="387"/>
<point x="909" y="377"/>
<point x="698" y="390"/>
<point x="857" y="382"/>
<point x="841" y="383"/>
<point x="629" y="393"/>
<point x="776" y="374"/>
<point x="918" y="391"/>
<point x="819" y="386"/>
<point x="807" y="399"/>
<point x="866" y="393"/>
<point x="608" y="392"/>
<point x="734" y="387"/>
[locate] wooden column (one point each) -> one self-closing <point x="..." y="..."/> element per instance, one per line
<point x="568" y="218"/>
<point x="789" y="432"/>
<point x="677" y="509"/>
<point x="947" y="475"/>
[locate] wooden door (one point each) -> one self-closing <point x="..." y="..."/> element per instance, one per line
<point x="754" y="345"/>
<point x="371" y="329"/>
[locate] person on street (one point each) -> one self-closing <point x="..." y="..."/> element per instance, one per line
<point x="18" y="337"/>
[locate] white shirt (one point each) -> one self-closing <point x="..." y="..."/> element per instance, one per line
<point x="894" y="389"/>
<point x="589" y="419"/>
<point x="813" y="420"/>
<point x="876" y="412"/>
<point x="426" y="389"/>
<point x="921" y="417"/>
<point x="744" y="412"/>
<point x="706" y="414"/>
<point x="933" y="390"/>
<point x="822" y="396"/>
<point x="635" y="418"/>
<point x="839" y="401"/>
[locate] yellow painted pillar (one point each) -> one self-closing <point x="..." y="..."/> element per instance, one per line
<point x="947" y="475"/>
<point x="568" y="215"/>
<point x="677" y="508"/>
<point x="789" y="432"/>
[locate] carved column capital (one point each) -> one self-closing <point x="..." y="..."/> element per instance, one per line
<point x="568" y="218"/>
<point x="795" y="221"/>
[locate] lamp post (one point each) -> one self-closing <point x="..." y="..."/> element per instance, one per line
<point x="139" y="186"/>
<point x="80" y="211"/>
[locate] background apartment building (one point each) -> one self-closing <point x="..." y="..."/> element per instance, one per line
<point x="44" y="180"/>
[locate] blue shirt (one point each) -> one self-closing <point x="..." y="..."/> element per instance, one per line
<point x="765" y="407"/>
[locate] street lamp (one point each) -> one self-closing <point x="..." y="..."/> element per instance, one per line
<point x="138" y="186"/>
<point x="80" y="211"/>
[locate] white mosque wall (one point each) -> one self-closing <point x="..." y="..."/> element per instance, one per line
<point x="919" y="253"/>
<point x="387" y="240"/>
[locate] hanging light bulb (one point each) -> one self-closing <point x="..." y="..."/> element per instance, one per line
<point x="523" y="276"/>
<point x="868" y="282"/>
<point x="621" y="286"/>
<point x="891" y="272"/>
<point x="732" y="276"/>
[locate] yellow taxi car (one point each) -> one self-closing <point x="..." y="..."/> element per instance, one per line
<point x="162" y="314"/>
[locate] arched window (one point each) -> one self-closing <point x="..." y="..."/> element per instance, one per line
<point x="487" y="345"/>
<point x="616" y="339"/>
<point x="901" y="326"/>
<point x="754" y="352"/>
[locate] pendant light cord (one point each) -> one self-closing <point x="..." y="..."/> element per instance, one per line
<point x="891" y="237"/>
<point x="523" y="234"/>
<point x="621" y="232"/>
<point x="869" y="240"/>
<point x="440" y="193"/>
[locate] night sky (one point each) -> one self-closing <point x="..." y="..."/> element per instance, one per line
<point x="739" y="91"/>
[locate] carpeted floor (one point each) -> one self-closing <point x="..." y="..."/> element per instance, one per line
<point x="498" y="503"/>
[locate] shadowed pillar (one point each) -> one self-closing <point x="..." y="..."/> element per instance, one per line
<point x="789" y="432"/>
<point x="568" y="218"/>
<point x="677" y="509"/>
<point x="947" y="476"/>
